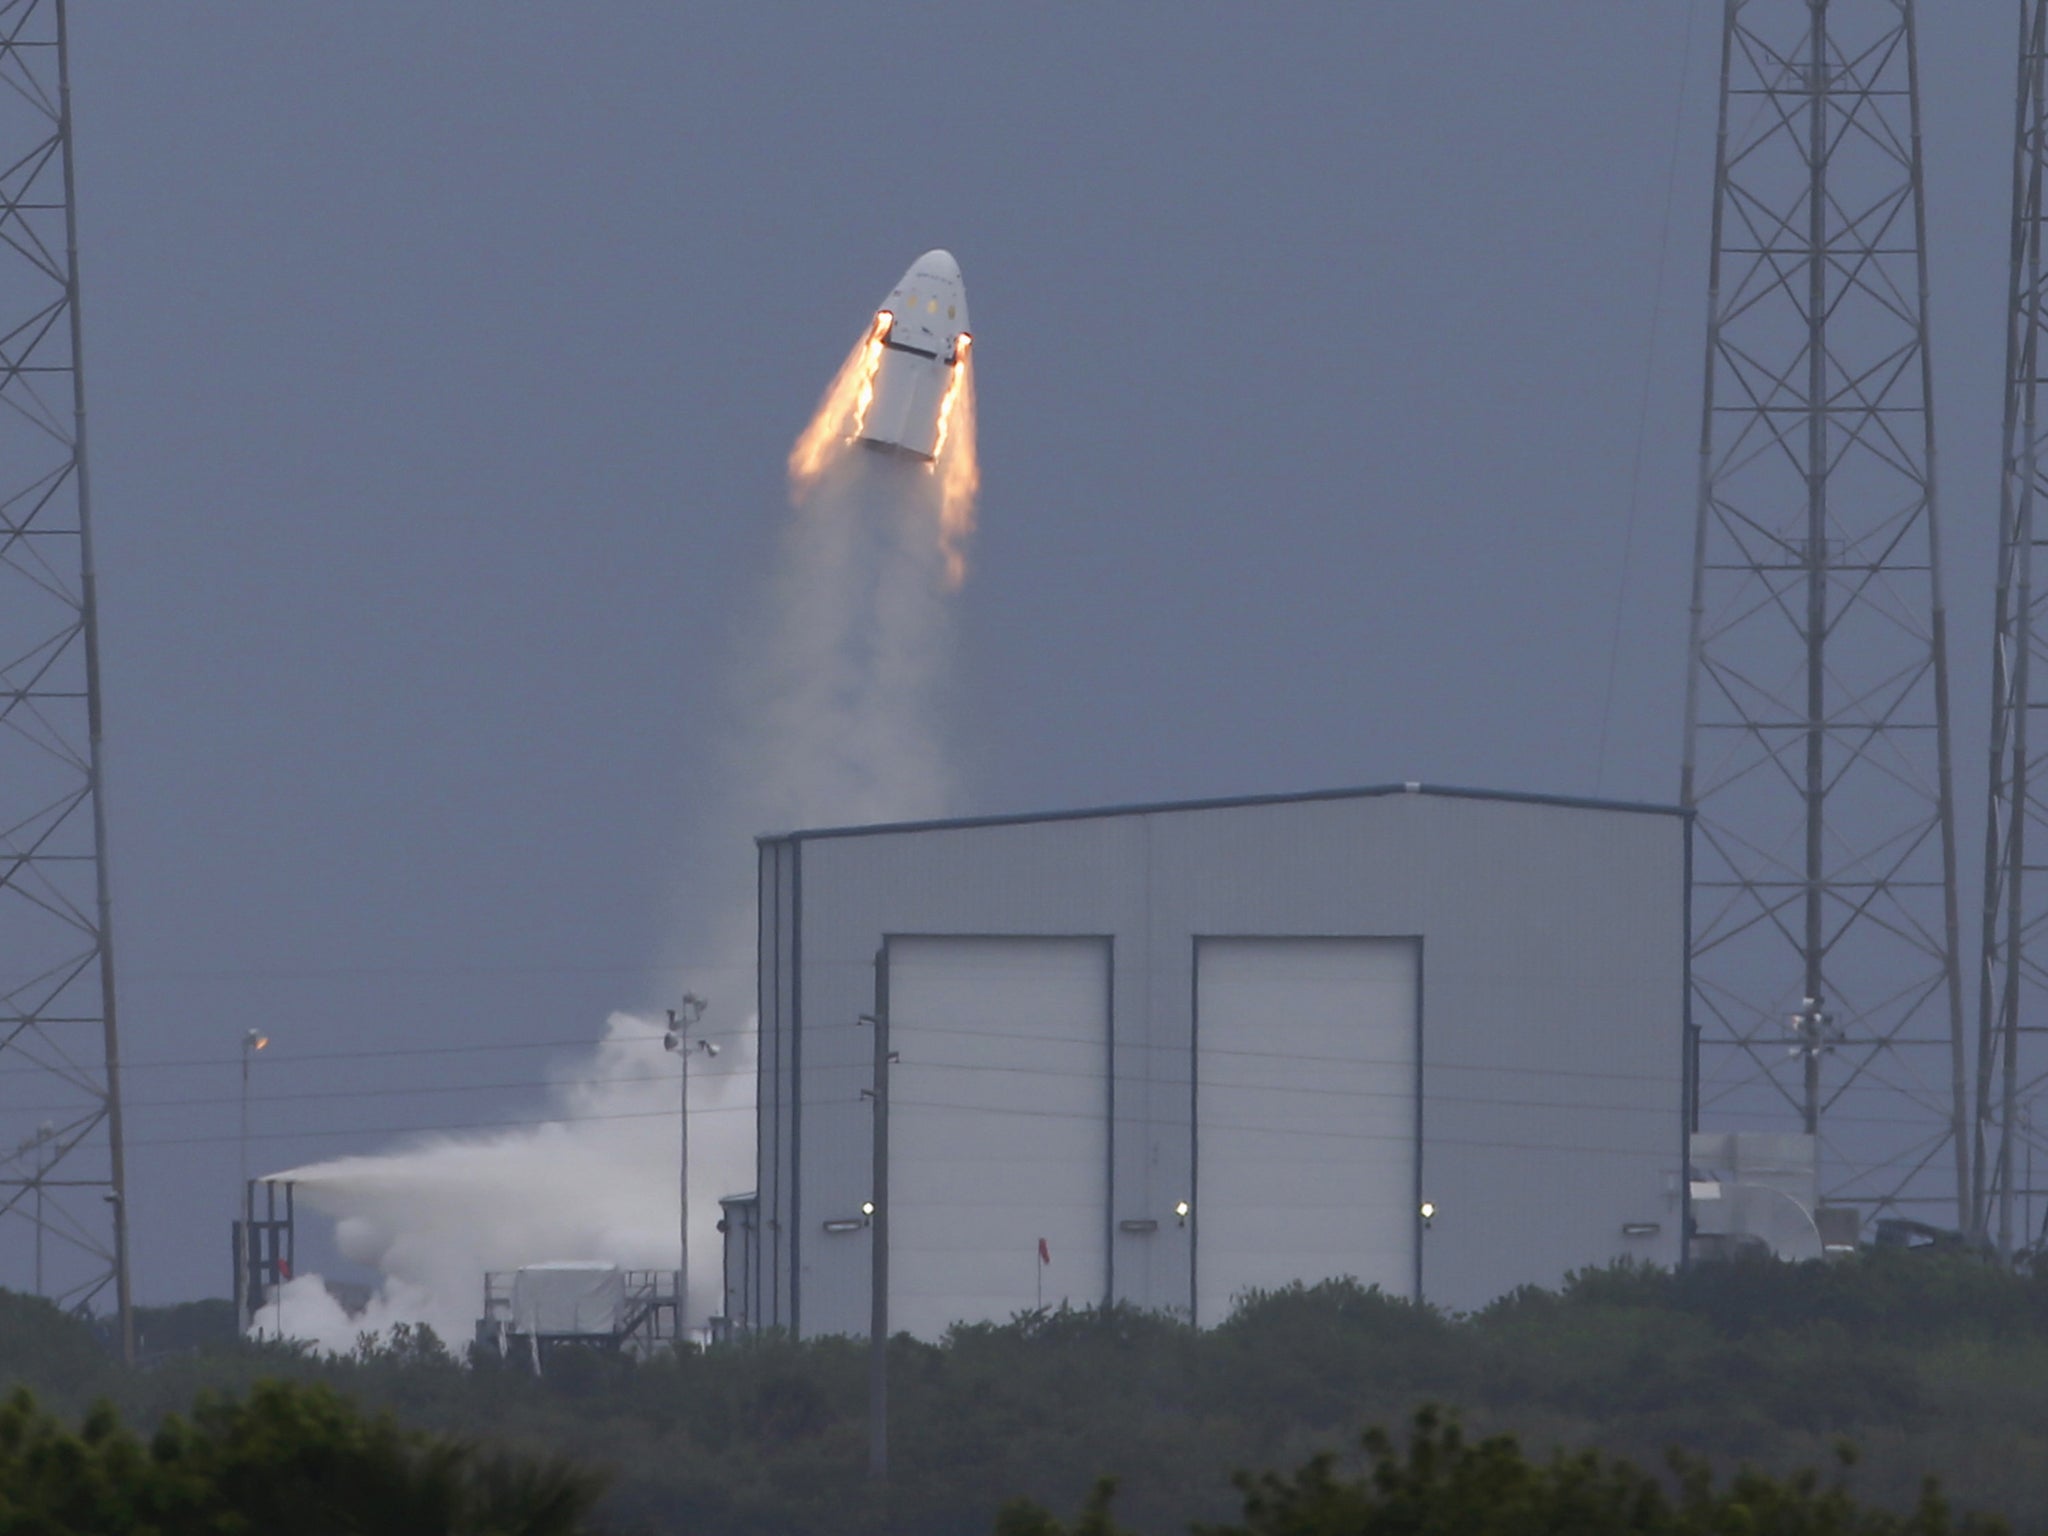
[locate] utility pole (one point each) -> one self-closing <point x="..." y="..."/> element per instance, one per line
<point x="680" y="1022"/>
<point x="58" y="1032"/>
<point x="247" y="1300"/>
<point x="877" y="1212"/>
<point x="1826" y="984"/>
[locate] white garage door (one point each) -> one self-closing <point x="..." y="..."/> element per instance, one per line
<point x="1305" y="1115"/>
<point x="998" y="1128"/>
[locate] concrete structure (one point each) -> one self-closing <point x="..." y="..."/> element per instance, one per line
<point x="1433" y="1039"/>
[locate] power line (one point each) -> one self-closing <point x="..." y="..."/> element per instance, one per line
<point x="1182" y="1048"/>
<point x="380" y="1053"/>
<point x="430" y="1130"/>
<point x="1172" y="1122"/>
<point x="279" y="1061"/>
<point x="423" y="972"/>
<point x="908" y="1064"/>
<point x="979" y="1109"/>
<point x="666" y="1083"/>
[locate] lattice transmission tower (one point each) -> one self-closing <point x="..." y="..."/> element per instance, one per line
<point x="2014" y="976"/>
<point x="63" y="1210"/>
<point x="1826" y="996"/>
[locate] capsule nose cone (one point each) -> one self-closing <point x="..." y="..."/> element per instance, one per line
<point x="934" y="270"/>
<point x="937" y="264"/>
<point x="930" y="303"/>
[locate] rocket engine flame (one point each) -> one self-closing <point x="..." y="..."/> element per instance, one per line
<point x="871" y="360"/>
<point x="844" y="405"/>
<point x="952" y="393"/>
<point x="956" y="465"/>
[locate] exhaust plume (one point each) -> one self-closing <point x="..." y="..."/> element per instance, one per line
<point x="838" y="692"/>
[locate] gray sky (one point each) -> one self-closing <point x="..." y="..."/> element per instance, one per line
<point x="442" y="362"/>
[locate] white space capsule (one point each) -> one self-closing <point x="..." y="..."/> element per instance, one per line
<point x="922" y="326"/>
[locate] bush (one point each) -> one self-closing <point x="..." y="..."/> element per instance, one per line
<point x="1444" y="1485"/>
<point x="296" y="1458"/>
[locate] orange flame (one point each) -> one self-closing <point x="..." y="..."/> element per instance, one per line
<point x="960" y="345"/>
<point x="954" y="461"/>
<point x="845" y="402"/>
<point x="871" y="361"/>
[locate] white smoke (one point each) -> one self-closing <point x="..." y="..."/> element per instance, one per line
<point x="836" y="722"/>
<point x="840" y="715"/>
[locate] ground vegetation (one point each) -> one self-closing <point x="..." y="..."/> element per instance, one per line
<point x="1926" y="1364"/>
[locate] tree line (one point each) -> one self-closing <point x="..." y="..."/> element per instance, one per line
<point x="1929" y="1365"/>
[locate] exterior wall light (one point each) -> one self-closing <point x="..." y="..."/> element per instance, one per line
<point x="1428" y="1212"/>
<point x="867" y="1207"/>
<point x="1180" y="1211"/>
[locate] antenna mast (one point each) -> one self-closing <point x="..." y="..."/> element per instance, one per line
<point x="1825" y="984"/>
<point x="60" y="1099"/>
<point x="2013" y="984"/>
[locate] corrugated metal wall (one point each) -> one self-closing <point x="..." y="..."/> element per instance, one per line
<point x="1552" y="987"/>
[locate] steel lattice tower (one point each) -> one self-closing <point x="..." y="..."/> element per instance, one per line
<point x="2014" y="983"/>
<point x="62" y="1197"/>
<point x="1826" y="992"/>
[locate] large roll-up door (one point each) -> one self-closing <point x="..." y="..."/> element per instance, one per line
<point x="998" y="1128"/>
<point x="1305" y="1115"/>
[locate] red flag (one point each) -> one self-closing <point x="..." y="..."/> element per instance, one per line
<point x="1044" y="1253"/>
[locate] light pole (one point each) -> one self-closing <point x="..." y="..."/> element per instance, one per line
<point x="252" y="1042"/>
<point x="681" y="1020"/>
<point x="877" y="1212"/>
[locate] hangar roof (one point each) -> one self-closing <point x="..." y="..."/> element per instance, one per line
<point x="1235" y="802"/>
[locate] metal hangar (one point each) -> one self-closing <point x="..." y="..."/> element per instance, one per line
<point x="1433" y="1039"/>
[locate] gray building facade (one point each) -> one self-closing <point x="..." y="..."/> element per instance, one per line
<point x="1432" y="1039"/>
